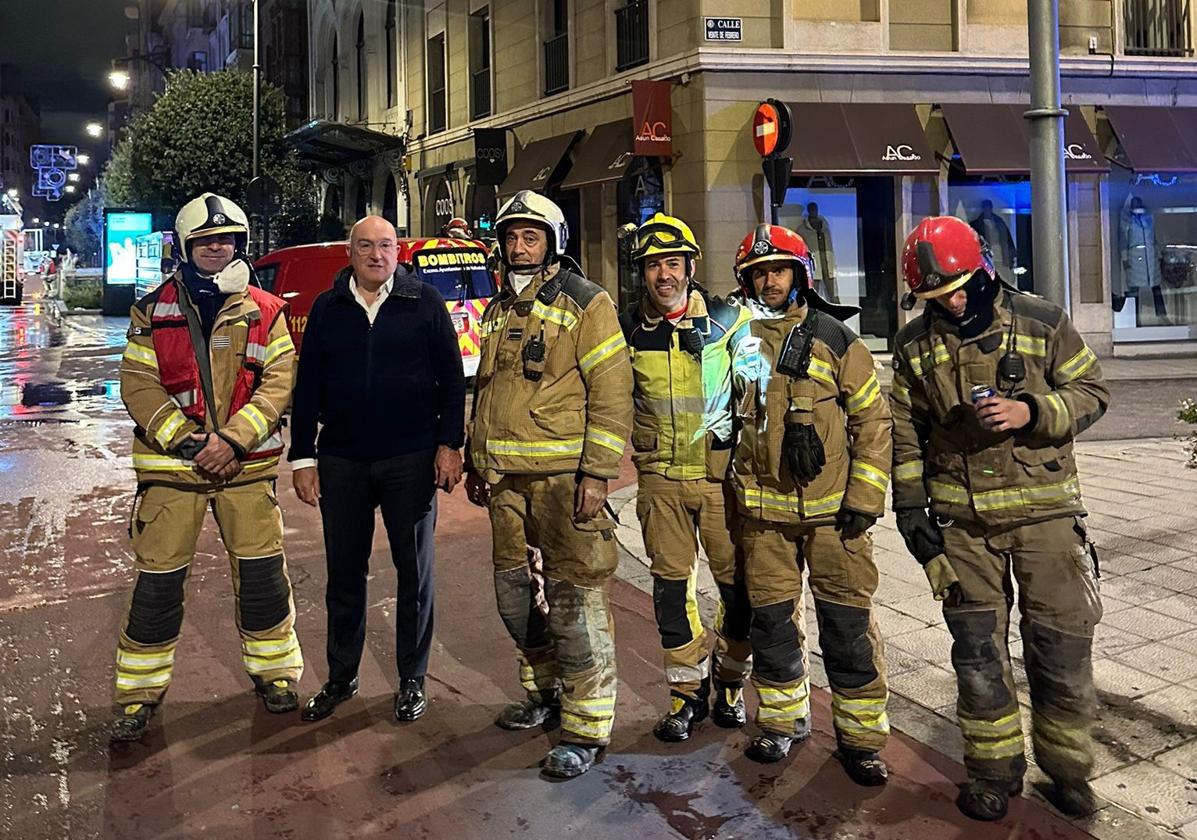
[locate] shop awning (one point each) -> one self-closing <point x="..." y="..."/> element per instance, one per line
<point x="536" y="163"/>
<point x="324" y="143"/>
<point x="847" y="138"/>
<point x="605" y="156"/>
<point x="1156" y="139"/>
<point x="996" y="140"/>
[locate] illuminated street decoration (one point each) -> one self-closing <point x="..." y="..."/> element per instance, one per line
<point x="52" y="163"/>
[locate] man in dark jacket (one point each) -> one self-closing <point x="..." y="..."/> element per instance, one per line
<point x="381" y="371"/>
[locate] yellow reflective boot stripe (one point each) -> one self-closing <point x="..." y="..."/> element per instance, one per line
<point x="141" y="354"/>
<point x="603" y="438"/>
<point x="166" y="432"/>
<point x="601" y="352"/>
<point x="910" y="471"/>
<point x="859" y="715"/>
<point x="865" y="396"/>
<point x="1060" y="419"/>
<point x="870" y="475"/>
<point x="256" y="419"/>
<point x="532" y="448"/>
<point x="278" y="347"/>
<point x="554" y="315"/>
<point x="819" y="369"/>
<point x="1076" y="366"/>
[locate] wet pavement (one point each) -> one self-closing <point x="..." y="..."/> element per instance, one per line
<point x="216" y="764"/>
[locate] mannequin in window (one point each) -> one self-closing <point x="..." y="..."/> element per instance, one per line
<point x="1140" y="260"/>
<point x="994" y="230"/>
<point x="816" y="233"/>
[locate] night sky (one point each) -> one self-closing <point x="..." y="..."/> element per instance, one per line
<point x="63" y="48"/>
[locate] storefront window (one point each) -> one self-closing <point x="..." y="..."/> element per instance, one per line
<point x="848" y="224"/>
<point x="999" y="209"/>
<point x="638" y="196"/>
<point x="1153" y="262"/>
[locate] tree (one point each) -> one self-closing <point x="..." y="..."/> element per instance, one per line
<point x="197" y="137"/>
<point x="84" y="223"/>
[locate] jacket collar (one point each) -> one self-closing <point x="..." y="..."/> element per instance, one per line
<point x="404" y="283"/>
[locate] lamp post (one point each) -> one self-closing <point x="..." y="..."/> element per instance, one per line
<point x="94" y="129"/>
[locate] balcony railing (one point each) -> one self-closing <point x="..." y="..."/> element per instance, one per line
<point x="556" y="64"/>
<point x="480" y="93"/>
<point x="631" y="35"/>
<point x="1158" y="27"/>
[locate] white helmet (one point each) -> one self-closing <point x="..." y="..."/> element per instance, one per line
<point x="211" y="214"/>
<point x="528" y="206"/>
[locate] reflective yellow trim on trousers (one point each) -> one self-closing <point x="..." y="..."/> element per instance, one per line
<point x="992" y="739"/>
<point x="1078" y="365"/>
<point x="601" y="352"/>
<point x="599" y="730"/>
<point x="784" y="705"/>
<point x="134" y="659"/>
<point x="262" y="656"/>
<point x="533" y="448"/>
<point x="819" y="369"/>
<point x="166" y="432"/>
<point x="160" y="463"/>
<point x="555" y="315"/>
<point x="1006" y="498"/>
<point x="870" y="475"/>
<point x="910" y="471"/>
<point x="1061" y="419"/>
<point x="605" y="439"/>
<point x="128" y="682"/>
<point x="256" y="419"/>
<point x="278" y="347"/>
<point x="141" y="354"/>
<point x="924" y="362"/>
<point x="692" y="616"/>
<point x="868" y="394"/>
<point x="539" y="677"/>
<point x="860" y="715"/>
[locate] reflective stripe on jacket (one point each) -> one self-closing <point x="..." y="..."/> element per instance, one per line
<point x="682" y="427"/>
<point x="945" y="459"/>
<point x="840" y="396"/>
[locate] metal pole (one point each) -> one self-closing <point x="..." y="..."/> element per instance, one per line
<point x="257" y="86"/>
<point x="1048" y="200"/>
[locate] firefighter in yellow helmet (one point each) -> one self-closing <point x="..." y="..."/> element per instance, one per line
<point x="206" y="377"/>
<point x="552" y="407"/>
<point x="682" y="440"/>
<point x="811" y="471"/>
<point x="990" y="388"/>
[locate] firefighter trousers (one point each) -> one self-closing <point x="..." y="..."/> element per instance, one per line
<point x="675" y="517"/>
<point x="165" y="525"/>
<point x="843" y="579"/>
<point x="568" y="648"/>
<point x="1060" y="608"/>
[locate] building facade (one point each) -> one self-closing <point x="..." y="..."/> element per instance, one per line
<point x="901" y="108"/>
<point x="20" y="128"/>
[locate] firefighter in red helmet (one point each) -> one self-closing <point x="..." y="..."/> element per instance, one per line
<point x="810" y="471"/>
<point x="990" y="388"/>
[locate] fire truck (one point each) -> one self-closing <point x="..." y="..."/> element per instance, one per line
<point x="12" y="259"/>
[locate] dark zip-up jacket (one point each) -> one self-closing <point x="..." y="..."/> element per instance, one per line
<point x="381" y="390"/>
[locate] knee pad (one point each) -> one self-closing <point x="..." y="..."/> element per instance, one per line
<point x="776" y="649"/>
<point x="669" y="604"/>
<point x="847" y="651"/>
<point x="522" y="618"/>
<point x="1055" y="662"/>
<point x="156" y="613"/>
<point x="263" y="593"/>
<point x="737" y="611"/>
<point x="578" y="626"/>
<point x="977" y="661"/>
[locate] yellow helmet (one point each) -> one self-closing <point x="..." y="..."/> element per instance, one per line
<point x="665" y="235"/>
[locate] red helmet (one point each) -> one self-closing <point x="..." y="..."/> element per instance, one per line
<point x="940" y="256"/>
<point x="769" y="243"/>
<point x="457" y="223"/>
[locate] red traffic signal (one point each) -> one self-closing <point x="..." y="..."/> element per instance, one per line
<point x="771" y="128"/>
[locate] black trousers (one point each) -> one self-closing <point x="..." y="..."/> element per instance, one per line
<point x="349" y="493"/>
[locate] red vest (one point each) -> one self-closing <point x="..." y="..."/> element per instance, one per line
<point x="178" y="368"/>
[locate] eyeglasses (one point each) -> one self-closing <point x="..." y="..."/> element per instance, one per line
<point x="367" y="246"/>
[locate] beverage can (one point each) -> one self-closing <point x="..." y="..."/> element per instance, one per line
<point x="982" y="392"/>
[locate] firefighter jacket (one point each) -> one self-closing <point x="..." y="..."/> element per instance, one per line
<point x="682" y="427"/>
<point x="945" y="459"/>
<point x="839" y="395"/>
<point x="238" y="385"/>
<point x="553" y="393"/>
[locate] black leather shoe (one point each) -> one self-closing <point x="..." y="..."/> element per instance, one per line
<point x="678" y="723"/>
<point x="410" y="702"/>
<point x="327" y="699"/>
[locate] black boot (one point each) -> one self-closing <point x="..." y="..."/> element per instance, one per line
<point x="728" y="711"/>
<point x="684" y="713"/>
<point x="133" y="722"/>
<point x="863" y="767"/>
<point x="1073" y="799"/>
<point x="278" y="696"/>
<point x="528" y="713"/>
<point x="769" y="747"/>
<point x="987" y="799"/>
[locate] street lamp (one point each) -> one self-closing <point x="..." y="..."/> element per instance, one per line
<point x="12" y="192"/>
<point x="119" y="79"/>
<point x="55" y="225"/>
<point x="73" y="176"/>
<point x="70" y="188"/>
<point x="83" y="158"/>
<point x="94" y="129"/>
<point x="36" y="220"/>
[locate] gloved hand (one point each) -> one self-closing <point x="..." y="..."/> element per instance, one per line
<point x="190" y="447"/>
<point x="803" y="451"/>
<point x="922" y="536"/>
<point x="852" y="523"/>
<point x="941" y="577"/>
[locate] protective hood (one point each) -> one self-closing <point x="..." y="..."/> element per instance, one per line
<point x="978" y="312"/>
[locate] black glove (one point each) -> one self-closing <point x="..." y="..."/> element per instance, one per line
<point x="922" y="536"/>
<point x="852" y="523"/>
<point x="188" y="449"/>
<point x="803" y="451"/>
